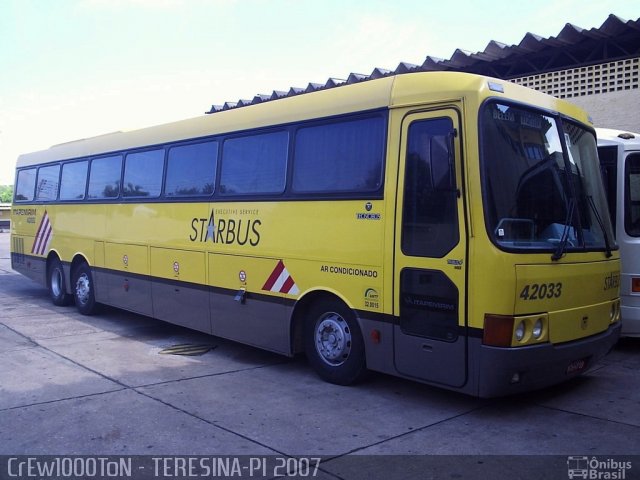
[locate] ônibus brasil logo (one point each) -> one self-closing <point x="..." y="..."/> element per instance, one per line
<point x="597" y="469"/>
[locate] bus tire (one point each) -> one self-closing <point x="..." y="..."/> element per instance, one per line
<point x="84" y="290"/>
<point x="56" y="284"/>
<point x="334" y="344"/>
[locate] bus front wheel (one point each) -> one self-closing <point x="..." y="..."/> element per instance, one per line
<point x="333" y="343"/>
<point x="56" y="284"/>
<point x="84" y="290"/>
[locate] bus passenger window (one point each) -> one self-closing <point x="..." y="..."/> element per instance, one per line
<point x="74" y="180"/>
<point x="25" y="185"/>
<point x="191" y="170"/>
<point x="253" y="165"/>
<point x="104" y="177"/>
<point x="339" y="157"/>
<point x="632" y="207"/>
<point x="47" y="184"/>
<point x="429" y="214"/>
<point x="143" y="174"/>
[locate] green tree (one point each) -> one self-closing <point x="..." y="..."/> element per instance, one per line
<point x="6" y="193"/>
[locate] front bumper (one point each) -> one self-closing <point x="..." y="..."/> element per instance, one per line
<point x="539" y="366"/>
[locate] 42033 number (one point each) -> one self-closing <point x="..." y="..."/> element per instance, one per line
<point x="540" y="291"/>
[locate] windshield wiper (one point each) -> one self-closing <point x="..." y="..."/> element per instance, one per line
<point x="559" y="253"/>
<point x="607" y="245"/>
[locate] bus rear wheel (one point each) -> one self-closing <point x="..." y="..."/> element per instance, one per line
<point x="84" y="290"/>
<point x="56" y="284"/>
<point x="334" y="344"/>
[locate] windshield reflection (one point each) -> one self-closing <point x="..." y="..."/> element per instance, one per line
<point x="541" y="183"/>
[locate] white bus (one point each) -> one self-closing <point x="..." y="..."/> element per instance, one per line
<point x="619" y="154"/>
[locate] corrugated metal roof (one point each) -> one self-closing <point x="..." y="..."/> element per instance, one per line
<point x="574" y="46"/>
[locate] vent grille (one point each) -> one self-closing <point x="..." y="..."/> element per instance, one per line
<point x="17" y="251"/>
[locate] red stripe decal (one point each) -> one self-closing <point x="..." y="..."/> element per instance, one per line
<point x="274" y="276"/>
<point x="287" y="285"/>
<point x="35" y="240"/>
<point x="43" y="246"/>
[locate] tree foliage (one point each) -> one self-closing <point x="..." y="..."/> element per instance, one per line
<point x="6" y="193"/>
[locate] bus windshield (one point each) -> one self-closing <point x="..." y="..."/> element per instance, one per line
<point x="541" y="182"/>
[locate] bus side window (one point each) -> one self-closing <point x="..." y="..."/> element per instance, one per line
<point x="74" y="180"/>
<point x="143" y="174"/>
<point x="191" y="170"/>
<point x="254" y="164"/>
<point x="430" y="215"/>
<point x="339" y="157"/>
<point x="25" y="185"/>
<point x="632" y="195"/>
<point x="47" y="184"/>
<point x="104" y="177"/>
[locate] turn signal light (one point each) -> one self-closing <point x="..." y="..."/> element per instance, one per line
<point x="615" y="311"/>
<point x="635" y="284"/>
<point x="498" y="330"/>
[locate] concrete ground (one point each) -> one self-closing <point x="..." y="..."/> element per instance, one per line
<point x="77" y="385"/>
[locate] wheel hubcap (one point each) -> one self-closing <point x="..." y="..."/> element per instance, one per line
<point x="83" y="288"/>
<point x="333" y="339"/>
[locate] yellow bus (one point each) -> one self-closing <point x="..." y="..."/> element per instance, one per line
<point x="442" y="227"/>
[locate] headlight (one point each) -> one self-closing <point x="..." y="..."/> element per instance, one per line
<point x="613" y="314"/>
<point x="520" y="329"/>
<point x="537" y="329"/>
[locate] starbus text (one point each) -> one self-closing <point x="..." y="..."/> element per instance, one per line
<point x="226" y="231"/>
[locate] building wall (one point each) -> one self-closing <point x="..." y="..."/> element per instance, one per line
<point x="5" y="214"/>
<point x="610" y="91"/>
<point x="618" y="110"/>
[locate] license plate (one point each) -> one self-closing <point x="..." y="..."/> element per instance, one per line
<point x="577" y="366"/>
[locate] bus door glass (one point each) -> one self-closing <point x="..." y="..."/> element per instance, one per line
<point x="430" y="256"/>
<point x="608" y="156"/>
<point x="632" y="195"/>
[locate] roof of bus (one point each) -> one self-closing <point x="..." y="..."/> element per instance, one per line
<point x="388" y="92"/>
<point x="609" y="136"/>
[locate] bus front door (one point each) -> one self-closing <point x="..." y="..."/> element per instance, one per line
<point x="429" y="303"/>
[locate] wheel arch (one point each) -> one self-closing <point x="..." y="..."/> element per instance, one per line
<point x="57" y="279"/>
<point x="78" y="259"/>
<point x="301" y="308"/>
<point x="51" y="257"/>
